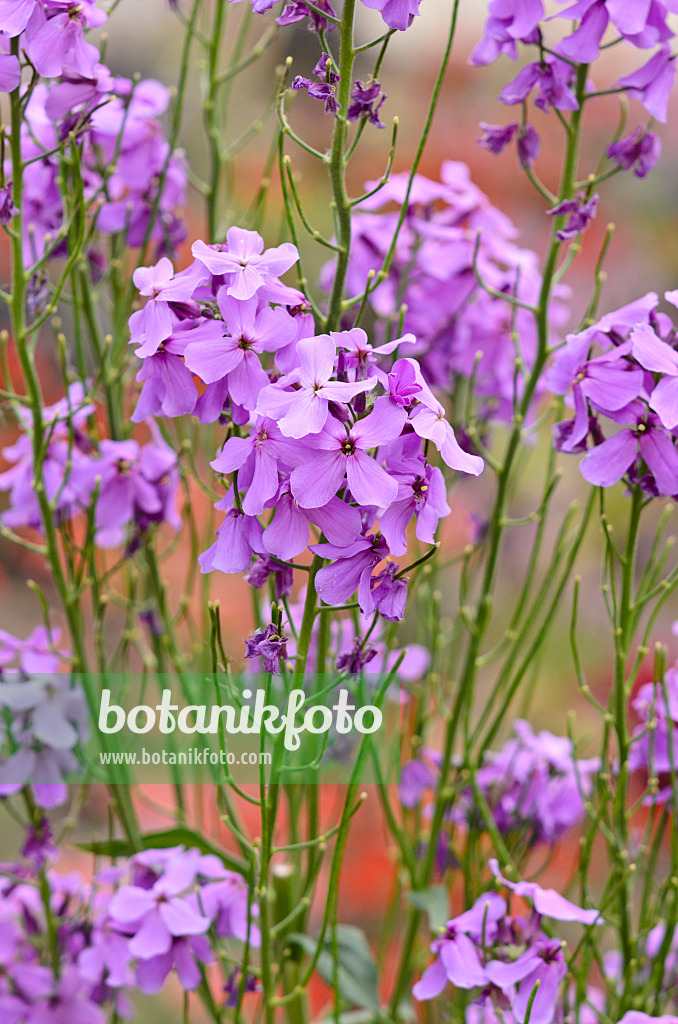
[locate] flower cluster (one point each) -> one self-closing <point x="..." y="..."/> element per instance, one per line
<point x="644" y="26"/>
<point x="332" y="439"/>
<point x="534" y="786"/>
<point x="133" y="184"/>
<point x="74" y="951"/>
<point x="45" y="720"/>
<point x="654" y="743"/>
<point x="452" y="236"/>
<point x="513" y="962"/>
<point x="397" y="14"/>
<point x="131" y="485"/>
<point x="633" y="385"/>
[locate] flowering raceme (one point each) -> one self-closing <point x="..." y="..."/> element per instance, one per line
<point x="316" y="409"/>
<point x="110" y="939"/>
<point x="451" y="233"/>
<point x="131" y="485"/>
<point x="478" y="951"/>
<point x="633" y="384"/>
<point x="125" y="159"/>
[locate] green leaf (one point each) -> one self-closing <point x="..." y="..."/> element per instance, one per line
<point x="434" y="902"/>
<point x="160" y="841"/>
<point x="357" y="970"/>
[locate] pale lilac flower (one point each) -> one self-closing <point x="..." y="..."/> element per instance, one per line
<point x="304" y="411"/>
<point x="458" y="957"/>
<point x="421" y="493"/>
<point x="659" y="357"/>
<point x="55" y="40"/>
<point x="508" y="21"/>
<point x="244" y="263"/>
<point x="10" y="76"/>
<point x="37" y="654"/>
<point x="548" y="902"/>
<point x="7" y="207"/>
<point x="419" y="776"/>
<point x="397" y="14"/>
<point x="287" y="534"/>
<point x="154" y="323"/>
<point x="248" y="332"/>
<point x="655" y="750"/>
<point x="338" y="452"/>
<point x="652" y="83"/>
<point x="541" y="966"/>
<point x="238" y="538"/>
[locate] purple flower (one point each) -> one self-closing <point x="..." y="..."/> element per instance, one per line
<point x="338" y="452"/>
<point x="15" y="15"/>
<point x="10" y="76"/>
<point x="155" y="916"/>
<point x="552" y="78"/>
<point x="652" y="83"/>
<point x="154" y="323"/>
<point x="609" y="382"/>
<point x="580" y="210"/>
<point x="529" y="145"/>
<point x="548" y="902"/>
<point x="642" y="24"/>
<point x="287" y="534"/>
<point x="248" y="331"/>
<point x="351" y="570"/>
<point x="639" y="151"/>
<point x="304" y="411"/>
<point x="419" y="776"/>
<point x="137" y="487"/>
<point x="654" y="748"/>
<point x="54" y="38"/>
<point x="298" y="10"/>
<point x="366" y="101"/>
<point x="646" y="440"/>
<point x="238" y="538"/>
<point x="509" y="20"/>
<point x="38" y="846"/>
<point x="458" y="958"/>
<point x="421" y="493"/>
<point x="659" y="357"/>
<point x="542" y="967"/>
<point x="325" y="89"/>
<point x="535" y="782"/>
<point x="265" y="568"/>
<point x="7" y="207"/>
<point x="269" y="645"/>
<point x="496" y="137"/>
<point x="397" y="14"/>
<point x="38" y="653"/>
<point x="354" y="660"/>
<point x="243" y="261"/>
<point x="48" y="720"/>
